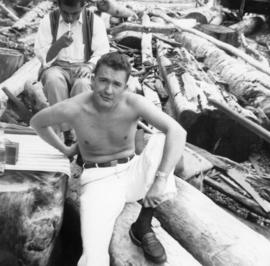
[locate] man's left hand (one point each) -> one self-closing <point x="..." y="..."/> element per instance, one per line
<point x="83" y="72"/>
<point x="155" y="194"/>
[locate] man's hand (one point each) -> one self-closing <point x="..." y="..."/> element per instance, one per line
<point x="83" y="72"/>
<point x="70" y="151"/>
<point x="155" y="194"/>
<point x="65" y="40"/>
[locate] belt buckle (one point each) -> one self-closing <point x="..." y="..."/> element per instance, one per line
<point x="114" y="162"/>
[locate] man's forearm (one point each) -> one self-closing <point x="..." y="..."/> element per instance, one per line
<point x="48" y="134"/>
<point x="53" y="52"/>
<point x="172" y="153"/>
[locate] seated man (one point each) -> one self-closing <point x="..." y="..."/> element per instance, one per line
<point x="105" y="122"/>
<point x="69" y="42"/>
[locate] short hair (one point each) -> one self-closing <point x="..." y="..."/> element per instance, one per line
<point x="116" y="61"/>
<point x="71" y="2"/>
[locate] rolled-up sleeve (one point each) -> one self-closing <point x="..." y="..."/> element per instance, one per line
<point x="43" y="40"/>
<point x="100" y="42"/>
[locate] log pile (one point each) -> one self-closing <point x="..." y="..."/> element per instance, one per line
<point x="181" y="63"/>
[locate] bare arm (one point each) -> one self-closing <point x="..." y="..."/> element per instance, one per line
<point x="43" y="121"/>
<point x="171" y="153"/>
<point x="173" y="131"/>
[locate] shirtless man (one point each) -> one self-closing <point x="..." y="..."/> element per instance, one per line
<point x="105" y="122"/>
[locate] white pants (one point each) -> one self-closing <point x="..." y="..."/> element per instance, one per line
<point x="105" y="192"/>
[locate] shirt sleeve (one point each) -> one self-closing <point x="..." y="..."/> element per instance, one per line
<point x="43" y="40"/>
<point x="100" y="42"/>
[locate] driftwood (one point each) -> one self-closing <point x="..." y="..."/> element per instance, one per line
<point x="255" y="128"/>
<point x="124" y="252"/>
<point x="16" y="82"/>
<point x="10" y="61"/>
<point x="220" y="241"/>
<point x="251" y="51"/>
<point x="9" y="12"/>
<point x="147" y="53"/>
<point x="244" y="81"/>
<point x="227" y="47"/>
<point x="131" y="39"/>
<point x="248" y="25"/>
<point x="38" y="11"/>
<point x="115" y="9"/>
<point x="195" y="84"/>
<point x="31" y="215"/>
<point x="152" y="28"/>
<point x="222" y="33"/>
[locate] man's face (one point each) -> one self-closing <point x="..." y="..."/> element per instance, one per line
<point x="108" y="86"/>
<point x="70" y="13"/>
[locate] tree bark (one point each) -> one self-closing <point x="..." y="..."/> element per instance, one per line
<point x="221" y="241"/>
<point x="10" y="61"/>
<point x="244" y="81"/>
<point x="31" y="214"/>
<point x="123" y="252"/>
<point x="38" y="11"/>
<point x="15" y="83"/>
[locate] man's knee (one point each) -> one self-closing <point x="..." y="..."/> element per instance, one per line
<point x="79" y="86"/>
<point x="51" y="76"/>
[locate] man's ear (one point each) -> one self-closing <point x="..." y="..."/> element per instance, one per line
<point x="92" y="78"/>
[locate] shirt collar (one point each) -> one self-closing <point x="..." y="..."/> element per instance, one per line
<point x="80" y="18"/>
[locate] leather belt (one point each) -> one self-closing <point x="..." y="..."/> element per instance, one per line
<point x="109" y="163"/>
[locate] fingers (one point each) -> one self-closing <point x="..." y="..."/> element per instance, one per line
<point x="151" y="202"/>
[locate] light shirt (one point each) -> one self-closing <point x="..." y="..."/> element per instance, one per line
<point x="75" y="52"/>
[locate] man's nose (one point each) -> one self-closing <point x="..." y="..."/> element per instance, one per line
<point x="109" y="88"/>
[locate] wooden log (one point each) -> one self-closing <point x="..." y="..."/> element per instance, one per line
<point x="16" y="82"/>
<point x="31" y="214"/>
<point x="37" y="12"/>
<point x="222" y="240"/>
<point x="10" y="13"/>
<point x="222" y="33"/>
<point x="124" y="252"/>
<point x="131" y="39"/>
<point x="227" y="47"/>
<point x="10" y="61"/>
<point x="115" y="9"/>
<point x="255" y="128"/>
<point x="146" y="44"/>
<point x="243" y="80"/>
<point x="154" y="28"/>
<point x="187" y="82"/>
<point x="248" y="25"/>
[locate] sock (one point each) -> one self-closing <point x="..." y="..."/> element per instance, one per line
<point x="143" y="222"/>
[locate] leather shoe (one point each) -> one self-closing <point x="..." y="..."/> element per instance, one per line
<point x="152" y="248"/>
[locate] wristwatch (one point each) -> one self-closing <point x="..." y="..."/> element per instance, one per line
<point x="161" y="175"/>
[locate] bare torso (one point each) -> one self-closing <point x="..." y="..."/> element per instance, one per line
<point x="104" y="136"/>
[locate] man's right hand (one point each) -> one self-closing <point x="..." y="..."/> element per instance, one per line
<point x="65" y="40"/>
<point x="70" y="151"/>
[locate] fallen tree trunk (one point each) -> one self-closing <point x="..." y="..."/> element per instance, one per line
<point x="221" y="241"/>
<point x="31" y="215"/>
<point x="222" y="45"/>
<point x="10" y="61"/>
<point x="152" y="28"/>
<point x="248" y="25"/>
<point x="146" y="44"/>
<point x="244" y="81"/>
<point x="15" y="84"/>
<point x="36" y="13"/>
<point x="123" y="252"/>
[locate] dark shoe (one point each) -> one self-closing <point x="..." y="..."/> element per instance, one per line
<point x="152" y="248"/>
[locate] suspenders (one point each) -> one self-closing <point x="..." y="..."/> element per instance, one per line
<point x="87" y="29"/>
